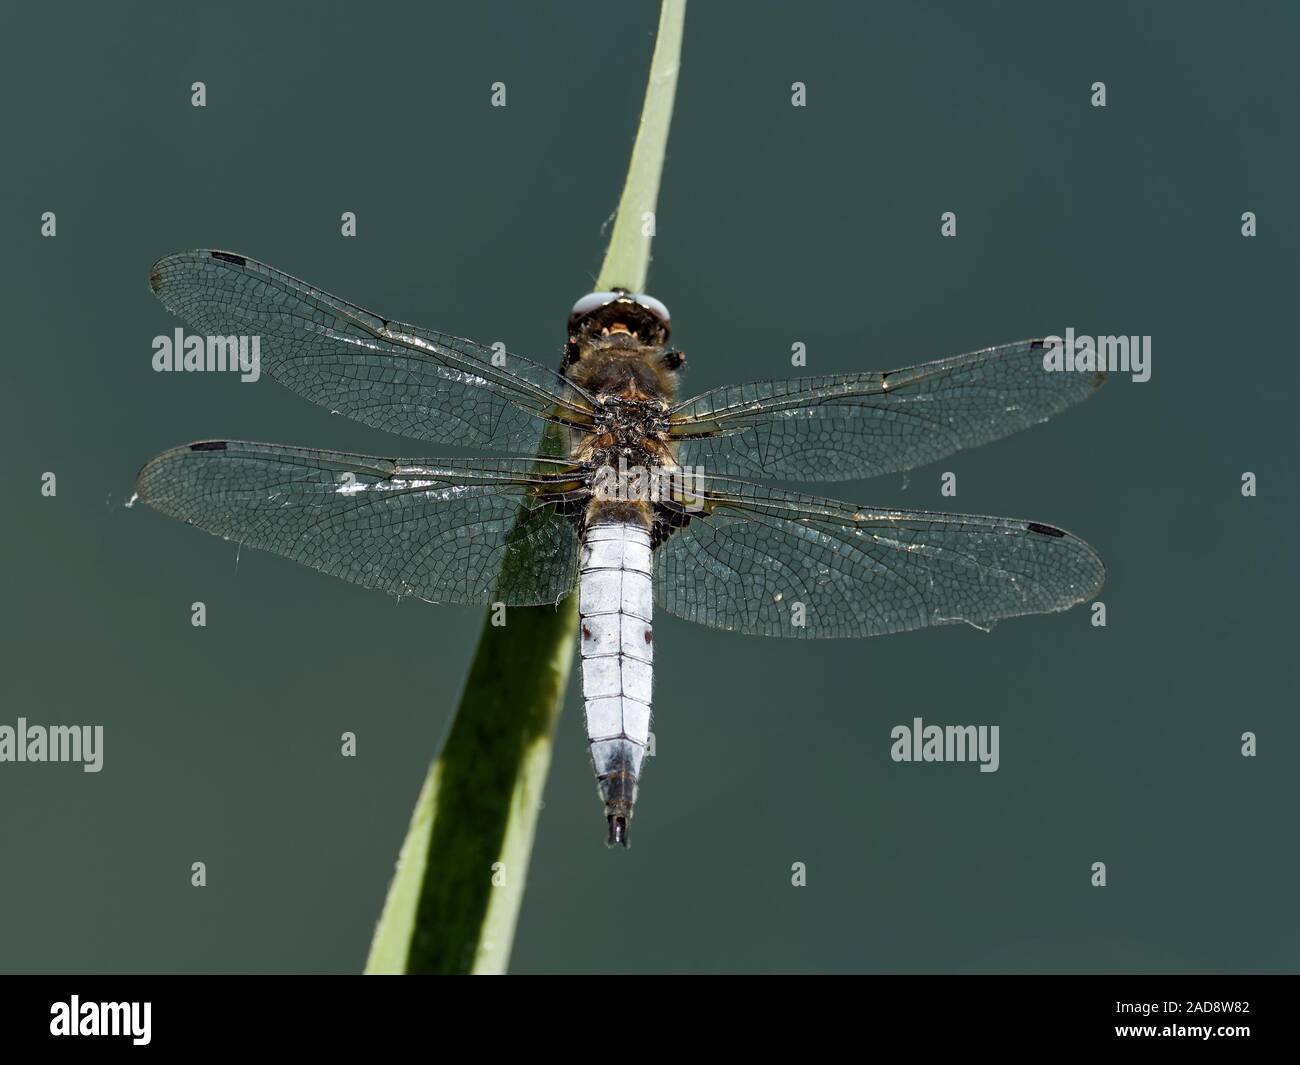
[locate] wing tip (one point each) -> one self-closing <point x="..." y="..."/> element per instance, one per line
<point x="141" y="486"/>
<point x="1097" y="579"/>
<point x="156" y="272"/>
<point x="1098" y="376"/>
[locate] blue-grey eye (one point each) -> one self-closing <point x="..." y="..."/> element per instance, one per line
<point x="592" y="301"/>
<point x="595" y="301"/>
<point x="655" y="307"/>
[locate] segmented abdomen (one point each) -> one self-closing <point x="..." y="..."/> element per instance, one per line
<point x="615" y="600"/>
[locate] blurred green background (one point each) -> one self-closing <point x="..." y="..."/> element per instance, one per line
<point x="776" y="225"/>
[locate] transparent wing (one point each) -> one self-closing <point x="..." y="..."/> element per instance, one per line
<point x="394" y="376"/>
<point x="753" y="554"/>
<point x="437" y="529"/>
<point x="865" y="424"/>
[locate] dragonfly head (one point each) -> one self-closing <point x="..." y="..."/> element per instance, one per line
<point x="607" y="314"/>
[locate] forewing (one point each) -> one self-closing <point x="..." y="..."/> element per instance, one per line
<point x="394" y="376"/>
<point x="866" y="424"/>
<point x="443" y="530"/>
<point x="763" y="562"/>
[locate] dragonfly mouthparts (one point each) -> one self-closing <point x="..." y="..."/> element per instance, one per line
<point x="617" y="830"/>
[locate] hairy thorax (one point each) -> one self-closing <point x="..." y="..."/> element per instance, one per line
<point x="633" y="385"/>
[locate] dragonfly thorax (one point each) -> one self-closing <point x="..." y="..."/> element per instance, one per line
<point x="631" y="422"/>
<point x="620" y="365"/>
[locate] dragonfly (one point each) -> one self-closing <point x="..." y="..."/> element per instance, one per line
<point x="611" y="487"/>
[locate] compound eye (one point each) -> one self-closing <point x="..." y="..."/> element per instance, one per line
<point x="592" y="301"/>
<point x="655" y="307"/>
<point x="641" y="312"/>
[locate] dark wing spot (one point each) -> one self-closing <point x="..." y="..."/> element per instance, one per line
<point x="227" y="257"/>
<point x="647" y="635"/>
<point x="155" y="280"/>
<point x="1101" y="376"/>
<point x="1037" y="345"/>
<point x="209" y="445"/>
<point x="586" y="633"/>
<point x="1044" y="530"/>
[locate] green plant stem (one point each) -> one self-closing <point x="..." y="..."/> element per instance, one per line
<point x="455" y="896"/>
<point x="627" y="260"/>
